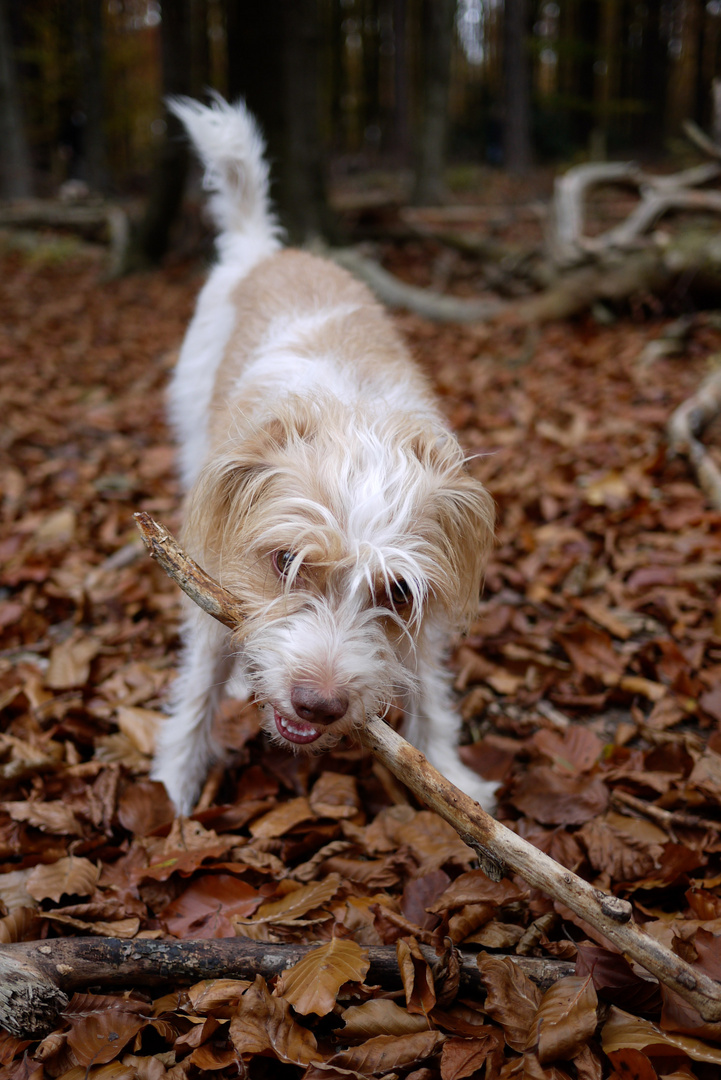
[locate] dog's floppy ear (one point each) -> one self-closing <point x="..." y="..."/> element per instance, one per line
<point x="235" y="482"/>
<point x="464" y="516"/>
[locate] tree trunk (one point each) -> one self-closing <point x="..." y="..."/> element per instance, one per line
<point x="303" y="202"/>
<point x="517" y="89"/>
<point x="401" y="138"/>
<point x="151" y="240"/>
<point x="436" y="43"/>
<point x="274" y="58"/>
<point x="654" y="81"/>
<point x="15" y="171"/>
<point x="681" y="99"/>
<point x="199" y="46"/>
<point x="92" y="61"/>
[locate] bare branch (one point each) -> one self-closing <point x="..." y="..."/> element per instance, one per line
<point x="36" y="977"/>
<point x="701" y="140"/>
<point x="425" y="302"/>
<point x="568" y="195"/>
<point x="658" y="195"/>
<point x="685" y="426"/>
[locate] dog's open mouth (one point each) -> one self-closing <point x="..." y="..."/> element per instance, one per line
<point x="296" y="731"/>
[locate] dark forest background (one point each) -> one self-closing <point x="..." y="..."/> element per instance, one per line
<point x="345" y="87"/>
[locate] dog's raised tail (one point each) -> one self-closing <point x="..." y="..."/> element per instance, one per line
<point x="232" y="149"/>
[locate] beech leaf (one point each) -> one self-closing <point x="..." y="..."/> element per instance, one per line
<point x="565" y="1021"/>
<point x="69" y="876"/>
<point x="512" y="999"/>
<point x="281" y="819"/>
<point x="463" y="1057"/>
<point x="312" y="985"/>
<point x="51" y="817"/>
<point x="380" y="1016"/>
<point x="294" y="905"/>
<point x="264" y="1023"/>
<point x="417" y="976"/>
<point x="387" y="1052"/>
<point x="623" y="1030"/>
<point x="99" y="1035"/>
<point x="334" y="795"/>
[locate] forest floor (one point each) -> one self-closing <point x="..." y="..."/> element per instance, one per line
<point x="590" y="683"/>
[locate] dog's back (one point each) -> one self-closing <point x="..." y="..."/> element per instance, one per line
<point x="262" y="305"/>
<point x="231" y="147"/>
<point x="304" y="325"/>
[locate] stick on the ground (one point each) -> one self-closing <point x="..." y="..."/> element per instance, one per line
<point x="36" y="977"/>
<point x="497" y="845"/>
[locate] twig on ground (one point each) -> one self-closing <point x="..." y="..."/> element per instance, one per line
<point x="496" y="844"/>
<point x="667" y="819"/>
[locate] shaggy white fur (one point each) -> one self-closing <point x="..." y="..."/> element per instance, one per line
<point x="324" y="490"/>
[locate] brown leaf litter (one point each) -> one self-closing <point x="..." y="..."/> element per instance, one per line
<point x="590" y="684"/>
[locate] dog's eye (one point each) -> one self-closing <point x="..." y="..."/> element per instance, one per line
<point x="282" y="561"/>
<point x="399" y="593"/>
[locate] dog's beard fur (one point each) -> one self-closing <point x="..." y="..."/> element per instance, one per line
<point x="324" y="490"/>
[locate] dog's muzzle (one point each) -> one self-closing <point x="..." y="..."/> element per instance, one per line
<point x="313" y="712"/>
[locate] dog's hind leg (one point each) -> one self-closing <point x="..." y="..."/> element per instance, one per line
<point x="186" y="747"/>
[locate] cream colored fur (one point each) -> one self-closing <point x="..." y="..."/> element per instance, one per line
<point x="324" y="490"/>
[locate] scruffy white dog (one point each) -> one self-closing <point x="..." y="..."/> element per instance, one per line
<point x="324" y="490"/>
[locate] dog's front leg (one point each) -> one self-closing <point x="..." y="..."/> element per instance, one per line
<point x="432" y="725"/>
<point x="186" y="747"/>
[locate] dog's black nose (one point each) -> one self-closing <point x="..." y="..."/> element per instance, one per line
<point x="312" y="706"/>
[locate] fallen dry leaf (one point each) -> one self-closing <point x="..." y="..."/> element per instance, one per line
<point x="380" y="1016"/>
<point x="264" y="1023"/>
<point x="71" y="876"/>
<point x="70" y="663"/>
<point x="622" y="1030"/>
<point x="386" y="1052"/>
<point x="312" y="985"/>
<point x="565" y="1021"/>
<point x="512" y="1000"/>
<point x="417" y="977"/>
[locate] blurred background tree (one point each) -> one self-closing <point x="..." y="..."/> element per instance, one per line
<point x="344" y="86"/>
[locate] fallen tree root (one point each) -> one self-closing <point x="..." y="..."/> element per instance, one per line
<point x="36" y="977"/>
<point x="496" y="845"/>
<point x="424" y="302"/>
<point x="686" y="425"/>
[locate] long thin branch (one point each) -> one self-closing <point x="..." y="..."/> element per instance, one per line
<point x="37" y="977"/>
<point x="497" y="845"/>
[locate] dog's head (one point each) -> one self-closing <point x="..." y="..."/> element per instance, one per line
<point x="351" y="542"/>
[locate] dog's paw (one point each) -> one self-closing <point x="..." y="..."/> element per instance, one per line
<point x="182" y="794"/>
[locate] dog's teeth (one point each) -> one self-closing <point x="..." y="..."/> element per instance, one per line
<point x="295" y="731"/>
